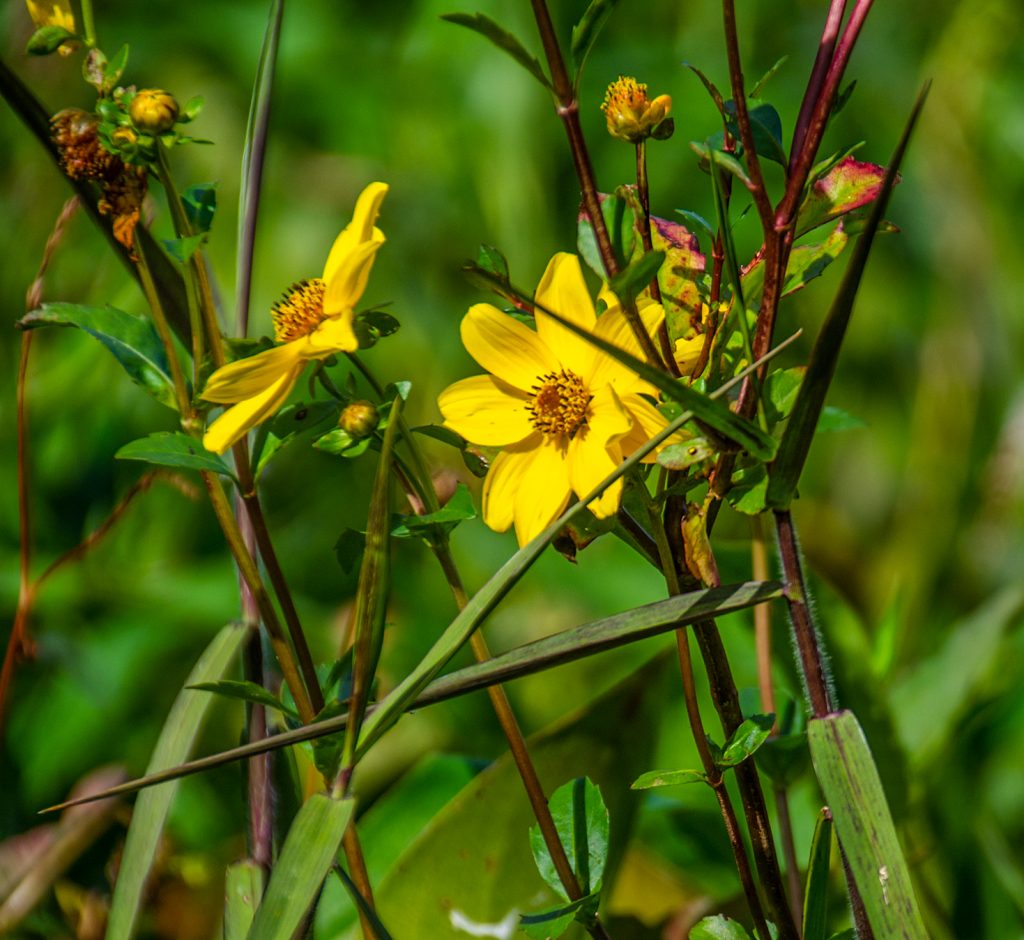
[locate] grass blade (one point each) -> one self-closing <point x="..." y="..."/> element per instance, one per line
<point x="810" y="400"/>
<point x="243" y="890"/>
<point x="176" y="740"/>
<point x="849" y="780"/>
<point x="586" y="31"/>
<point x="305" y="860"/>
<point x="253" y="153"/>
<point x="815" y="918"/>
<point x="565" y="647"/>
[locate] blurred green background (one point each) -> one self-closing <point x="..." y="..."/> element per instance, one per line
<point x="913" y="526"/>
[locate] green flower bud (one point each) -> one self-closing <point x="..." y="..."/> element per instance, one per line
<point x="153" y="110"/>
<point x="359" y="419"/>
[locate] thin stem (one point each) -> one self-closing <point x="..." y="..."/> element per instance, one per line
<point x="568" y="110"/>
<point x="808" y="643"/>
<point x="762" y="619"/>
<point x="88" y="23"/>
<point x="260" y="786"/>
<point x="360" y="877"/>
<point x="793" y="884"/>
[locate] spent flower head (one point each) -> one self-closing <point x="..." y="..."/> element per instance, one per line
<point x="312" y="321"/>
<point x="631" y="115"/>
<point x="564" y="413"/>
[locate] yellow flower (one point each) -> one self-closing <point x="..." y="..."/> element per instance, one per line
<point x="312" y="321"/>
<point x="564" y="413"/>
<point x="51" y="14"/>
<point x="630" y="114"/>
<point x="153" y="110"/>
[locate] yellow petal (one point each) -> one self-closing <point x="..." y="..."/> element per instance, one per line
<point x="595" y="452"/>
<point x="248" y="377"/>
<point x="503" y="483"/>
<point x="647" y="421"/>
<point x="544" y="490"/>
<point x="359" y="230"/>
<point x="334" y="334"/>
<point x="236" y="421"/>
<point x="613" y="326"/>
<point x="505" y="347"/>
<point x="344" y="288"/>
<point x="486" y="411"/>
<point x="563" y="290"/>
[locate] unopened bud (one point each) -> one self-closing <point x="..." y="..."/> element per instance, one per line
<point x="153" y="110"/>
<point x="359" y="419"/>
<point x="630" y="114"/>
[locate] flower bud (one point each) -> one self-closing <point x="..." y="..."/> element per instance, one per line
<point x="359" y="419"/>
<point x="153" y="110"/>
<point x="630" y="114"/>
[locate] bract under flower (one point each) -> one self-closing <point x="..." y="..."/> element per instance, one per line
<point x="312" y="321"/>
<point x="564" y="413"/>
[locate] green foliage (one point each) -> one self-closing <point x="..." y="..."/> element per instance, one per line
<point x="174" y="449"/>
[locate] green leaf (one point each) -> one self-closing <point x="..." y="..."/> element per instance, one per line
<point x="299" y="422"/>
<point x="200" y="205"/>
<point x="758" y="87"/>
<point x="815" y="920"/>
<point x="835" y="419"/>
<point x="349" y="549"/>
<point x="177" y="738"/>
<point x="766" y="128"/>
<point x="556" y="922"/>
<point x="796" y="439"/>
<point x="667" y="778"/>
<point x="342" y="444"/>
<point x="305" y="860"/>
<point x="681" y="456"/>
<point x="620" y="220"/>
<point x="749" y="489"/>
<point x="848" y="185"/>
<point x="133" y="341"/>
<point x="94" y="67"/>
<point x="711" y="88"/>
<point x="503" y="39"/>
<point x="586" y="31"/>
<point x="725" y="160"/>
<point x="182" y="249"/>
<point x="746" y="739"/>
<point x="806" y="262"/>
<point x="48" y="39"/>
<point x="190" y="111"/>
<point x="853" y="791"/>
<point x="718" y="927"/>
<point x="459" y="508"/>
<point x="680" y="276"/>
<point x="636" y="276"/>
<point x="174" y="449"/>
<point x="491" y="259"/>
<point x="248" y="692"/>
<point x="243" y="891"/>
<point x="115" y="68"/>
<point x="581" y="819"/>
<point x="440" y="433"/>
<point x="377" y="324"/>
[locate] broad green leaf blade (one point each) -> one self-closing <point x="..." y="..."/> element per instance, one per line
<point x="667" y="778"/>
<point x="815" y="920"/>
<point x="174" y="449"/>
<point x="305" y="860"/>
<point x="176" y="740"/>
<point x="703" y="408"/>
<point x="746" y="739"/>
<point x="48" y="39"/>
<point x="565" y="647"/>
<point x="373" y="589"/>
<point x="718" y="927"/>
<point x="806" y="262"/>
<point x="585" y="33"/>
<point x="581" y="819"/>
<point x="243" y="891"/>
<point x="850" y="783"/>
<point x="799" y="432"/>
<point x="459" y="508"/>
<point x="620" y="220"/>
<point x="132" y="340"/>
<point x="253" y="153"/>
<point x="248" y="692"/>
<point x="503" y="39"/>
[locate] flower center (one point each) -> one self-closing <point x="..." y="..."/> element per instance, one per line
<point x="559" y="403"/>
<point x="299" y="311"/>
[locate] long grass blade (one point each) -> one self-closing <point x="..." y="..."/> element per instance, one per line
<point x="565" y="647"/>
<point x="785" y="471"/>
<point x="243" y="891"/>
<point x="849" y="780"/>
<point x="815" y="919"/>
<point x="253" y="153"/>
<point x="305" y="860"/>
<point x="176" y="740"/>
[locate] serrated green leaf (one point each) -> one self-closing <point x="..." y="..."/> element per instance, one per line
<point x="586" y="31"/>
<point x="667" y="778"/>
<point x="581" y="819"/>
<point x="133" y="341"/>
<point x="48" y="39"/>
<point x="853" y="791"/>
<point x="749" y="490"/>
<point x="746" y="739"/>
<point x="718" y="927"/>
<point x="200" y="205"/>
<point x="305" y="860"/>
<point x="796" y="439"/>
<point x="246" y="691"/>
<point x="174" y="449"/>
<point x="175" y="743"/>
<point x="503" y="39"/>
<point x="815" y="918"/>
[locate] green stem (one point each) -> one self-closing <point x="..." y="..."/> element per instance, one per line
<point x="88" y="23"/>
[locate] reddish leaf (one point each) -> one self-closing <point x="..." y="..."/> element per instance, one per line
<point x="849" y="185"/>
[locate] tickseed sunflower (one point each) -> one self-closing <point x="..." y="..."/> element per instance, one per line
<point x="564" y="413"/>
<point x="312" y="321"/>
